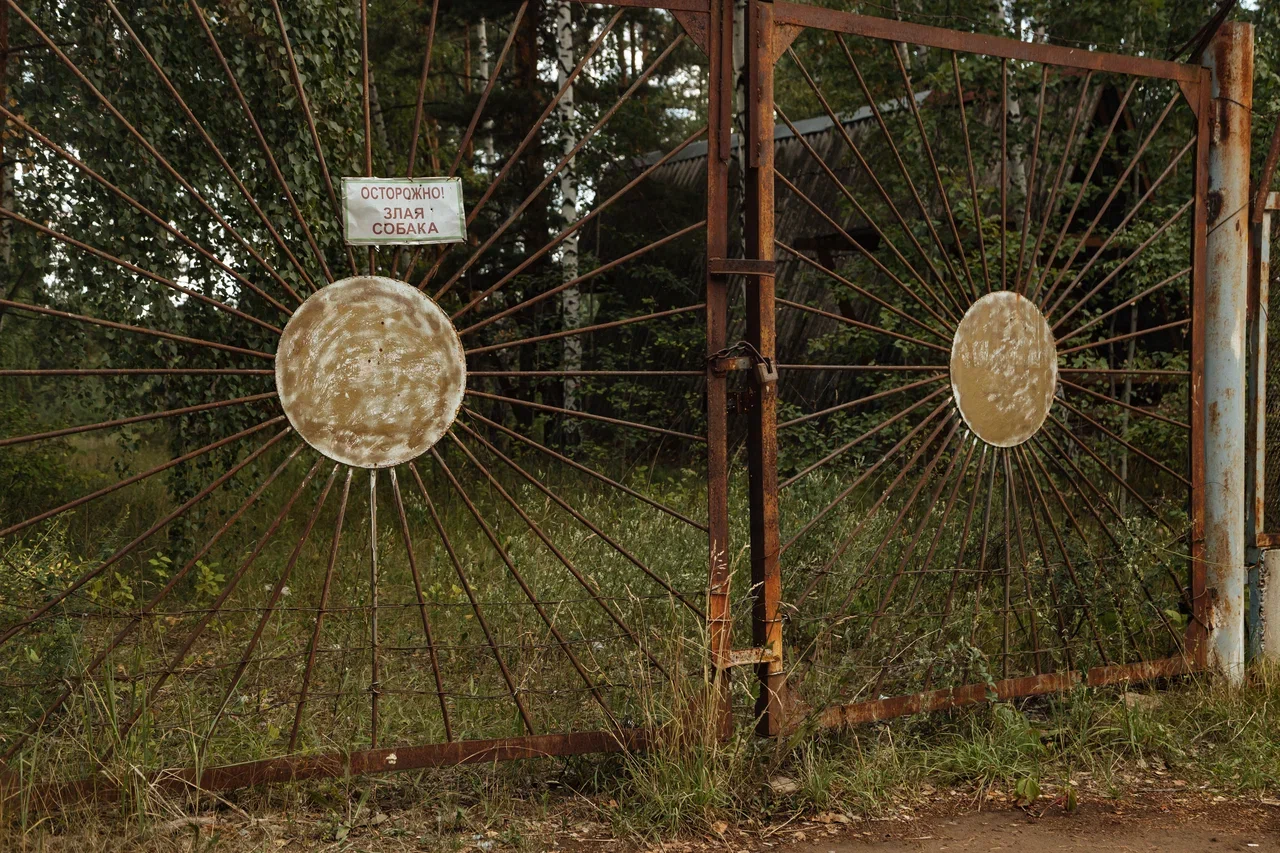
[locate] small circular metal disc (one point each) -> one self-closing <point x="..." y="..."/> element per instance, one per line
<point x="1004" y="368"/>
<point x="370" y="372"/>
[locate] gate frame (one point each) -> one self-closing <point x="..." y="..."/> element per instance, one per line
<point x="772" y="26"/>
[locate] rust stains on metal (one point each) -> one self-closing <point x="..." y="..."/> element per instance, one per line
<point x="1004" y="368"/>
<point x="370" y="372"/>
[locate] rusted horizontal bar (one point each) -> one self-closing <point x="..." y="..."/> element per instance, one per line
<point x="951" y="697"/>
<point x="921" y="34"/>
<point x="334" y="765"/>
<point x="858" y="713"/>
<point x="740" y="266"/>
<point x="1100" y="676"/>
<point x="1268" y="540"/>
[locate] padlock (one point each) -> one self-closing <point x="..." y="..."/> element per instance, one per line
<point x="766" y="372"/>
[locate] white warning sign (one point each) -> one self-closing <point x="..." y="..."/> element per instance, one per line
<point x="400" y="211"/>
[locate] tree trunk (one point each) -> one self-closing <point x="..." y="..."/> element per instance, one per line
<point x="570" y="299"/>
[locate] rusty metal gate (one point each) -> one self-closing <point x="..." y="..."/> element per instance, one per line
<point x="964" y="381"/>
<point x="990" y="350"/>
<point x="267" y="625"/>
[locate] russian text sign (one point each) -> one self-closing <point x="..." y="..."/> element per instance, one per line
<point x="401" y="211"/>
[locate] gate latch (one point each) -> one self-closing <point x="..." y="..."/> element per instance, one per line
<point x="729" y="359"/>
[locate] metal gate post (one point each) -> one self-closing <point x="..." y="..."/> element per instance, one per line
<point x="762" y="431"/>
<point x="719" y="138"/>
<point x="1230" y="59"/>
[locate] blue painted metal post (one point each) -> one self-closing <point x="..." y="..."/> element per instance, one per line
<point x="1230" y="59"/>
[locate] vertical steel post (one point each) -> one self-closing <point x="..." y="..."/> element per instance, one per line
<point x="1264" y="579"/>
<point x="1256" y="425"/>
<point x="1230" y="61"/>
<point x="719" y="137"/>
<point x="762" y="430"/>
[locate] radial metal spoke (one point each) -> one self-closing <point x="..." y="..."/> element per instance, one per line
<point x="1125" y="444"/>
<point x="1168" y="223"/>
<point x="1004" y="178"/>
<point x="524" y="304"/>
<point x="852" y="199"/>
<point x="208" y="141"/>
<point x="861" y="401"/>
<point x="301" y="91"/>
<point x="142" y="371"/>
<point x="1177" y="324"/>
<point x="982" y="552"/>
<point x="845" y="448"/>
<point x="973" y="174"/>
<point x="937" y="175"/>
<point x="925" y="516"/>
<point x="865" y="573"/>
<point x="466" y="585"/>
<point x="585" y="416"/>
<point x="262" y="140"/>
<point x="323" y="603"/>
<point x="123" y="327"/>
<point x="140" y="207"/>
<point x="1121" y="480"/>
<point x="216" y="606"/>
<point x="147" y="274"/>
<point x="1051" y="203"/>
<point x="559" y="238"/>
<point x="1066" y="559"/>
<point x="949" y="603"/>
<point x="1060" y="456"/>
<point x="422" y="603"/>
<point x="948" y="325"/>
<point x="555" y="170"/>
<point x="1059" y="609"/>
<point x="1084" y="188"/>
<point x="898" y="312"/>
<point x="1159" y="375"/>
<point x="1031" y="176"/>
<point x="864" y="326"/>
<point x="586" y="330"/>
<point x="591" y="472"/>
<point x="418" y="112"/>
<point x="889" y="454"/>
<point x="136" y="419"/>
<point x="590" y="588"/>
<point x="866" y="368"/>
<point x="589" y="584"/>
<point x="277" y="592"/>
<point x="151" y="149"/>
<point x="136" y="478"/>
<point x="136" y="619"/>
<point x="589" y="525"/>
<point x="915" y="193"/>
<point x="1026" y="564"/>
<point x="1128" y="303"/>
<point x="1084" y="540"/>
<point x="375" y="672"/>
<point x="530" y="135"/>
<point x="1136" y="409"/>
<point x="1119" y="184"/>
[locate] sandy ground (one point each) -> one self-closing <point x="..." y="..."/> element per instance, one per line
<point x="1169" y="826"/>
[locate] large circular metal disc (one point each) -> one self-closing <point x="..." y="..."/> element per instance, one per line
<point x="370" y="372"/>
<point x="1004" y="368"/>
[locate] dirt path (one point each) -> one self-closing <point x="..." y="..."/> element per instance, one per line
<point x="1170" y="826"/>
